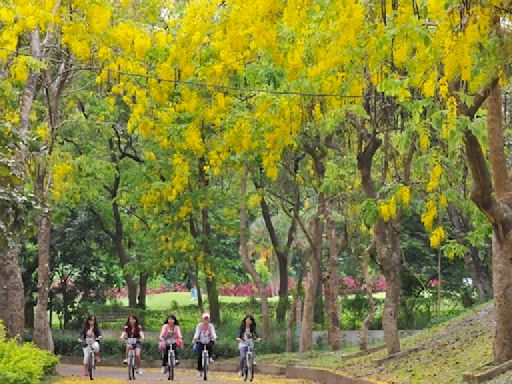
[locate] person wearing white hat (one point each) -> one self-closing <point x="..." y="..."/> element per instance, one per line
<point x="204" y="335"/>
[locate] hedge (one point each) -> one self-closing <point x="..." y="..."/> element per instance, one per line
<point x="114" y="348"/>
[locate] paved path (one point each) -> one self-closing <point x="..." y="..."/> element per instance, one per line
<point x="115" y="375"/>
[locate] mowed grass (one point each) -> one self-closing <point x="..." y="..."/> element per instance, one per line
<point x="167" y="300"/>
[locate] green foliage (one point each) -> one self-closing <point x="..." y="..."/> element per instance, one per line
<point x="23" y="364"/>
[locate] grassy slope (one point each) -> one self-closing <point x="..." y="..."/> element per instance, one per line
<point x="447" y="350"/>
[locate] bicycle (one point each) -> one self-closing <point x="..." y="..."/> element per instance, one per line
<point x="248" y="364"/>
<point x="171" y="360"/>
<point x="90" y="355"/>
<point x="205" y="361"/>
<point x="131" y="358"/>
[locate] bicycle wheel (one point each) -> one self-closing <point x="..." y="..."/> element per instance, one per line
<point x="170" y="365"/>
<point x="246" y="365"/>
<point x="205" y="366"/>
<point x="131" y="365"/>
<point x="90" y="365"/>
<point x="251" y="367"/>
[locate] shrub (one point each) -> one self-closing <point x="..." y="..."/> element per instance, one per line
<point x="25" y="363"/>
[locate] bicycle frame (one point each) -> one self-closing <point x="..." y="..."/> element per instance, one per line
<point x="206" y="362"/>
<point x="171" y="360"/>
<point x="90" y="357"/>
<point x="131" y="358"/>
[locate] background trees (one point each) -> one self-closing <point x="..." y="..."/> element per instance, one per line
<point x="137" y="123"/>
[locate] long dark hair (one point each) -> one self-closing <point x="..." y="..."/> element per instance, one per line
<point x="86" y="324"/>
<point x="253" y="324"/>
<point x="128" y="321"/>
<point x="171" y="316"/>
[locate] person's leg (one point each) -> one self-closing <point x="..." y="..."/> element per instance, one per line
<point x="137" y="356"/>
<point x="200" y="359"/>
<point x="96" y="349"/>
<point x="175" y="349"/>
<point x="243" y="354"/>
<point x="210" y="350"/>
<point x="164" y="356"/>
<point x="127" y="348"/>
<point x="85" y="360"/>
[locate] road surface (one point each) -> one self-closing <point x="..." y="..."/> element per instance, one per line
<point x="71" y="374"/>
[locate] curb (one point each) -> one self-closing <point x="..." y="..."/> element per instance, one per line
<point x="491" y="373"/>
<point x="321" y="375"/>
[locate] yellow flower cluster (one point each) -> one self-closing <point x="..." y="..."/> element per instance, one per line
<point x="436" y="237"/>
<point x="435" y="175"/>
<point x="404" y="195"/>
<point x="430" y="214"/>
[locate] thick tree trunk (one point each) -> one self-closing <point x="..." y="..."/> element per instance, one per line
<point x="387" y="245"/>
<point x="496" y="204"/>
<point x="333" y="282"/>
<point x="502" y="284"/>
<point x="143" y="289"/>
<point x="244" y="252"/>
<point x="42" y="332"/>
<point x="11" y="290"/>
<point x="306" y="336"/>
<point x="314" y="280"/>
<point x="209" y="269"/>
<point x="389" y="259"/>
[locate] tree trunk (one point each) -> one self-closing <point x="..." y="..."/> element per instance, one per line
<point x="365" y="325"/>
<point x="333" y="281"/>
<point x="282" y="252"/>
<point x="143" y="289"/>
<point x="42" y="332"/>
<point x="387" y="245"/>
<point x="118" y="234"/>
<point x="11" y="290"/>
<point x="306" y="336"/>
<point x="389" y="259"/>
<point x="313" y="281"/>
<point x="478" y="269"/>
<point x="492" y="195"/>
<point x="209" y="269"/>
<point x="502" y="283"/>
<point x="244" y="252"/>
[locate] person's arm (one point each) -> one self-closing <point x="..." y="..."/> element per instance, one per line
<point x="163" y="332"/>
<point x="123" y="334"/>
<point x="196" y="333"/>
<point x="214" y="334"/>
<point x="177" y="329"/>
<point x="141" y="333"/>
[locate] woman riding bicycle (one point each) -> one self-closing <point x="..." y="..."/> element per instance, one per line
<point x="90" y="331"/>
<point x="204" y="335"/>
<point x="133" y="330"/>
<point x="246" y="334"/>
<point x="170" y="337"/>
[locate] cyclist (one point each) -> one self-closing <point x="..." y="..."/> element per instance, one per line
<point x="90" y="331"/>
<point x="170" y="330"/>
<point x="246" y="334"/>
<point x="132" y="329"/>
<point x="204" y="335"/>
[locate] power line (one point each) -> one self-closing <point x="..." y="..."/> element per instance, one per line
<point x="192" y="83"/>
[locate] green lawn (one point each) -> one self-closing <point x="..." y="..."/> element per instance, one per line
<point x="164" y="300"/>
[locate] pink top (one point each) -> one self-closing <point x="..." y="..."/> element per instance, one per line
<point x="166" y="332"/>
